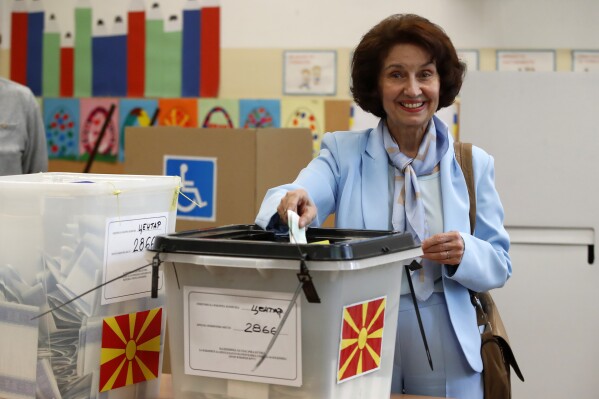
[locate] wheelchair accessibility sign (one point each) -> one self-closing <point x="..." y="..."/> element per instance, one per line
<point x="197" y="195"/>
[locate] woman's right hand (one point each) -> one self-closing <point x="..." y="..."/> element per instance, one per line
<point x="299" y="202"/>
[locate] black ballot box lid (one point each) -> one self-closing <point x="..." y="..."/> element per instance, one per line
<point x="252" y="241"/>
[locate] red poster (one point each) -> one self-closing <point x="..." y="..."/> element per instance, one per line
<point x="18" y="47"/>
<point x="136" y="53"/>
<point x="66" y="71"/>
<point x="210" y="52"/>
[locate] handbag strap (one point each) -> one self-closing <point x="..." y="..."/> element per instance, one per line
<point x="463" y="154"/>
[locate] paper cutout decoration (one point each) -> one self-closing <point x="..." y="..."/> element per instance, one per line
<point x="67" y="60"/>
<point x="154" y="51"/>
<point x="130" y="349"/>
<point x="61" y="121"/>
<point x="134" y="113"/>
<point x="218" y="113"/>
<point x="259" y="113"/>
<point x="136" y="49"/>
<point x="18" y="42"/>
<point x="83" y="49"/>
<point x="35" y="35"/>
<point x="109" y="60"/>
<point x="210" y="52"/>
<point x="178" y="112"/>
<point x="51" y="59"/>
<point x="361" y="119"/>
<point x="93" y="115"/>
<point x="305" y="113"/>
<point x="171" y="55"/>
<point x="361" y="338"/>
<point x="190" y="63"/>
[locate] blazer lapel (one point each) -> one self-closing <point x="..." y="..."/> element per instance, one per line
<point x="375" y="182"/>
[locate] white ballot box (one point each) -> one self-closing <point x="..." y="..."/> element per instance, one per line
<point x="76" y="316"/>
<point x="229" y="289"/>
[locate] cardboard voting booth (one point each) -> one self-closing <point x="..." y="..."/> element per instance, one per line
<point x="226" y="172"/>
<point x="229" y="288"/>
<point x="62" y="235"/>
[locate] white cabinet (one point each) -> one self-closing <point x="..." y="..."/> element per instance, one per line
<point x="550" y="308"/>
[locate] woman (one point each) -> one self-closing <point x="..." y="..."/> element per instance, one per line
<point x="403" y="175"/>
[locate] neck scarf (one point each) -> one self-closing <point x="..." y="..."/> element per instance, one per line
<point x="408" y="209"/>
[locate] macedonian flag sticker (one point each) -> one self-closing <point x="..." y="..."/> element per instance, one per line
<point x="130" y="349"/>
<point x="361" y="338"/>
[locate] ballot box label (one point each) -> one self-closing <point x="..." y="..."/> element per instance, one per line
<point x="127" y="273"/>
<point x="226" y="333"/>
<point x="197" y="193"/>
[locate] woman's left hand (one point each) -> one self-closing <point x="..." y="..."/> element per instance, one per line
<point x="445" y="248"/>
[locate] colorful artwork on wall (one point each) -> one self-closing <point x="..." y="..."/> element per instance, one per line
<point x="181" y="112"/>
<point x="216" y="113"/>
<point x="305" y="113"/>
<point x="259" y="113"/>
<point x="94" y="113"/>
<point x="134" y="112"/>
<point x="61" y="121"/>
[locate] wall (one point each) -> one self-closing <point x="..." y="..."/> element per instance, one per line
<point x="255" y="33"/>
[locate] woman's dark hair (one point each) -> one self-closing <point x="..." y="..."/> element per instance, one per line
<point x="403" y="29"/>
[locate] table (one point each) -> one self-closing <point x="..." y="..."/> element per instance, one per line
<point x="166" y="390"/>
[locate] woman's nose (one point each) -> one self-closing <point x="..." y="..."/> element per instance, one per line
<point x="412" y="87"/>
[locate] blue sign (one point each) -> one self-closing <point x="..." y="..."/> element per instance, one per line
<point x="197" y="195"/>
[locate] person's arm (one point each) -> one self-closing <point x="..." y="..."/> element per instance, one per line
<point x="35" y="155"/>
<point x="486" y="263"/>
<point x="314" y="189"/>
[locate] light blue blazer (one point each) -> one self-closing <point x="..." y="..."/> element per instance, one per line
<point x="350" y="178"/>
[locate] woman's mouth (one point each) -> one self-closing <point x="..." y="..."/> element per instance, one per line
<point x="411" y="105"/>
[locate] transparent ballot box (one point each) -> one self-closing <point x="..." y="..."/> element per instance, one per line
<point x="75" y="285"/>
<point x="252" y="315"/>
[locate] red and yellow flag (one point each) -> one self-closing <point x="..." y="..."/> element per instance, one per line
<point x="130" y="349"/>
<point x="361" y="338"/>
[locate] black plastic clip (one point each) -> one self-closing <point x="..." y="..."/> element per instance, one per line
<point x="307" y="285"/>
<point x="155" y="276"/>
<point x="414" y="266"/>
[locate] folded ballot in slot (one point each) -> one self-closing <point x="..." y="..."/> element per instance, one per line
<point x="74" y="289"/>
<point x="240" y="325"/>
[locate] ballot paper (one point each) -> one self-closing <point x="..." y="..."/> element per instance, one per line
<point x="297" y="235"/>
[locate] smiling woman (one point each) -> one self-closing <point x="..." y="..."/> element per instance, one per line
<point x="403" y="176"/>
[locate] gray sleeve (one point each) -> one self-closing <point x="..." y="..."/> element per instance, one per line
<point x="35" y="155"/>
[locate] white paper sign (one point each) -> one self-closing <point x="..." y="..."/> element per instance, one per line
<point x="126" y="241"/>
<point x="585" y="61"/>
<point x="227" y="331"/>
<point x="526" y="61"/>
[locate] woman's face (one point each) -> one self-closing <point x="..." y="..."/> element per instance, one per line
<point x="409" y="87"/>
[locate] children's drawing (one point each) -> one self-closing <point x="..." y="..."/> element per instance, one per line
<point x="259" y="113"/>
<point x="310" y="72"/>
<point x="61" y="121"/>
<point x="94" y="113"/>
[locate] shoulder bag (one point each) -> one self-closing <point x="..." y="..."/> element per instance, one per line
<point x="495" y="348"/>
